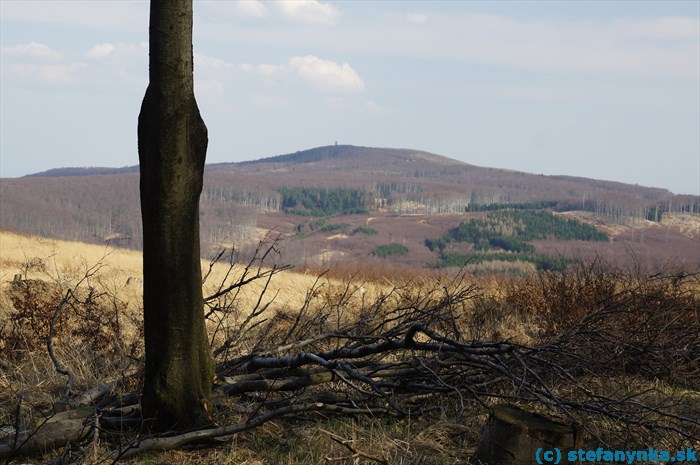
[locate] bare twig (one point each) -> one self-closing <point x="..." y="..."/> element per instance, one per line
<point x="49" y="344"/>
<point x="356" y="453"/>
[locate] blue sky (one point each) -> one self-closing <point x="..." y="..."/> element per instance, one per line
<point x="600" y="89"/>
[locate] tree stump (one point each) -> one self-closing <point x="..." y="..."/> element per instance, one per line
<point x="512" y="436"/>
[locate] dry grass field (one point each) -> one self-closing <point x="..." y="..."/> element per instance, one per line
<point x="650" y="322"/>
<point x="67" y="262"/>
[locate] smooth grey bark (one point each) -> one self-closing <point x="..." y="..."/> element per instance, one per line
<point x="172" y="144"/>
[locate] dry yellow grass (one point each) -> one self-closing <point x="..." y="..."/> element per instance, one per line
<point x="55" y="260"/>
<point x="71" y="258"/>
<point x="67" y="262"/>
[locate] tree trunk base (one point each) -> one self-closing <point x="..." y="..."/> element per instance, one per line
<point x="513" y="436"/>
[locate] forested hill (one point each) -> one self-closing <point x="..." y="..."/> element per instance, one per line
<point x="401" y="181"/>
<point x="297" y="194"/>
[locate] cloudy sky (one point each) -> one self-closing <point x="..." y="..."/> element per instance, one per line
<point x="601" y="89"/>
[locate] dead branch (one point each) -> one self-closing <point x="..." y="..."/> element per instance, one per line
<point x="49" y="344"/>
<point x="265" y="247"/>
<point x="87" y="397"/>
<point x="172" y="442"/>
<point x="221" y="304"/>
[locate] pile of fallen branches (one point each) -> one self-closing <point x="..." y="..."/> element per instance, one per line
<point x="407" y="352"/>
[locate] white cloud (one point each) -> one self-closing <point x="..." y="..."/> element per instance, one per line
<point x="271" y="71"/>
<point x="209" y="88"/>
<point x="33" y="49"/>
<point x="118" y="52"/>
<point x="273" y="101"/>
<point x="335" y="102"/>
<point x="96" y="66"/>
<point x="309" y="11"/>
<point x="210" y="62"/>
<point x="126" y="61"/>
<point x="99" y="16"/>
<point x="664" y="28"/>
<point x="251" y="9"/>
<point x="323" y="75"/>
<point x="101" y="51"/>
<point x="60" y="74"/>
<point x="57" y="74"/>
<point x="327" y="76"/>
<point x="211" y="76"/>
<point x="371" y="106"/>
<point x="416" y="18"/>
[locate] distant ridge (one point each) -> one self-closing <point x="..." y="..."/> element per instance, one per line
<point x="76" y="171"/>
<point x="330" y="152"/>
<point x="347" y="156"/>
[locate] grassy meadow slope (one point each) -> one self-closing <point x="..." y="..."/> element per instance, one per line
<point x="120" y="270"/>
<point x="36" y="257"/>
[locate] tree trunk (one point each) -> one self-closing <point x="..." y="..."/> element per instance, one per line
<point x="172" y="143"/>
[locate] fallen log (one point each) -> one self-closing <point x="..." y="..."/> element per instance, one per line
<point x="300" y="377"/>
<point x="45" y="438"/>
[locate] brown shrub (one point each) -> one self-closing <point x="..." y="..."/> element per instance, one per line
<point x="82" y="316"/>
<point x="620" y="319"/>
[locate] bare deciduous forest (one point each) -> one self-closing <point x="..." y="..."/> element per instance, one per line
<point x="405" y="196"/>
